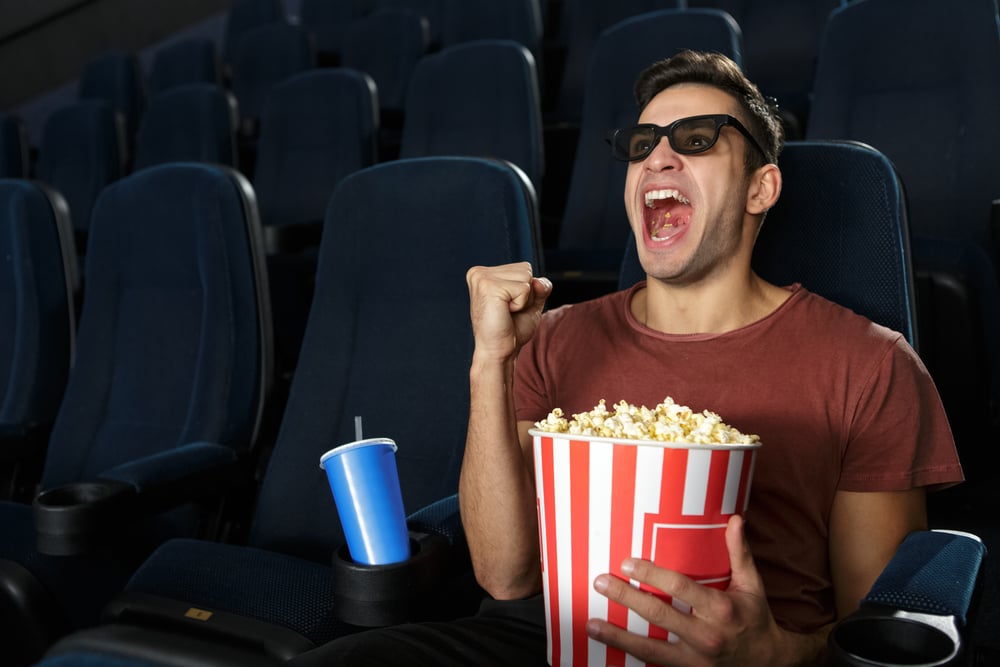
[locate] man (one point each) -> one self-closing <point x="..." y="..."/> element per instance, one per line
<point x="852" y="426"/>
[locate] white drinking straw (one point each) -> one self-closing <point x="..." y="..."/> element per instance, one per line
<point x="357" y="427"/>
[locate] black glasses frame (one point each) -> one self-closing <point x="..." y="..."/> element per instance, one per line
<point x="618" y="139"/>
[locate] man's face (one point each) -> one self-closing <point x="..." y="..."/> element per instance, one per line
<point x="687" y="211"/>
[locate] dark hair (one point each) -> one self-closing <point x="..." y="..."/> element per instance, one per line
<point x="715" y="69"/>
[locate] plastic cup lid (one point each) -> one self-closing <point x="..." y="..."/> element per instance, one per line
<point x="357" y="444"/>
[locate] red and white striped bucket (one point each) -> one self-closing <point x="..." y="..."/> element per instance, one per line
<point x="602" y="500"/>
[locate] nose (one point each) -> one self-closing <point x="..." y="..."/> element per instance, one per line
<point x="662" y="156"/>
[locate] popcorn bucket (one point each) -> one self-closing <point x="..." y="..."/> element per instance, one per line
<point x="601" y="500"/>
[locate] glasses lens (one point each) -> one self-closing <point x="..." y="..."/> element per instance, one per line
<point x="633" y="143"/>
<point x="694" y="135"/>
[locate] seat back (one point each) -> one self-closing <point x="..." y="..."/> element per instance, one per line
<point x="173" y="344"/>
<point x="594" y="216"/>
<point x="318" y="127"/>
<point x="14" y="147"/>
<point x="389" y="337"/>
<point x="840" y="228"/>
<point x="186" y="61"/>
<point x="264" y="57"/>
<point x="37" y="323"/>
<point x="242" y="17"/>
<point x="386" y="46"/>
<point x="884" y="87"/>
<point x="329" y="23"/>
<point x="781" y="41"/>
<point x="116" y="77"/>
<point x="582" y="24"/>
<point x="80" y="153"/>
<point x="452" y="109"/>
<point x="195" y="122"/>
<point x="517" y="20"/>
<point x="432" y="10"/>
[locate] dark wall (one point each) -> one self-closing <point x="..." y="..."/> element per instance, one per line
<point x="46" y="43"/>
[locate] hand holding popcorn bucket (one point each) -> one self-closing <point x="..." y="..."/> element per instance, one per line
<point x="650" y="484"/>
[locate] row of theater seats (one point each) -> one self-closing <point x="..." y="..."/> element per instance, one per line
<point x="157" y="433"/>
<point x="306" y="147"/>
<point x="143" y="518"/>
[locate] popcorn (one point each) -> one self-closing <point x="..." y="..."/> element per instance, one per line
<point x="667" y="422"/>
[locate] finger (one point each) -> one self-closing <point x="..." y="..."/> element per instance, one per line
<point x="650" y="607"/>
<point x="646" y="649"/>
<point x="510" y="283"/>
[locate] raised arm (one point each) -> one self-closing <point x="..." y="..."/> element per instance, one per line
<point x="496" y="488"/>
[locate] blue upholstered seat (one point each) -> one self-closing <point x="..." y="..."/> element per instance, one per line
<point x="195" y="122"/>
<point x="81" y="152"/>
<point x="185" y="61"/>
<point x="453" y="109"/>
<point x="163" y="403"/>
<point x="38" y="284"/>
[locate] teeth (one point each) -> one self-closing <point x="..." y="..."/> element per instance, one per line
<point x="657" y="195"/>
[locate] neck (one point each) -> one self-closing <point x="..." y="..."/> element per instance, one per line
<point x="706" y="307"/>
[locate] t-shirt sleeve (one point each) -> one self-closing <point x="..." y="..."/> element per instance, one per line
<point x="899" y="436"/>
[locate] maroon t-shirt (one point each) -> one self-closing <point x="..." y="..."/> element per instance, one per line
<point x="839" y="403"/>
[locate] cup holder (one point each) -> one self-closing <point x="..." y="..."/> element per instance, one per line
<point x="894" y="640"/>
<point x="74" y="518"/>
<point x="380" y="595"/>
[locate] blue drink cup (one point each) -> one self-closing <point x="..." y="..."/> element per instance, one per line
<point x="365" y="486"/>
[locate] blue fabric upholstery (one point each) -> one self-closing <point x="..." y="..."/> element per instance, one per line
<point x="932" y="572"/>
<point x="317" y="128"/>
<point x="81" y="152"/>
<point x="329" y="23"/>
<point x="839" y="228"/>
<point x="264" y="57"/>
<point x="582" y="24"/>
<point x="186" y="61"/>
<point x="242" y="17"/>
<point x="516" y="20"/>
<point x="37" y="278"/>
<point x="387" y="46"/>
<point x="594" y="227"/>
<point x="173" y="349"/>
<point x="116" y="78"/>
<point x="38" y="284"/>
<point x="14" y="148"/>
<point x="388" y="339"/>
<point x="432" y="10"/>
<point x="781" y="45"/>
<point x="453" y="109"/>
<point x="194" y="122"/>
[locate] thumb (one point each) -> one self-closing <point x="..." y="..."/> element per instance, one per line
<point x="744" y="572"/>
<point x="541" y="288"/>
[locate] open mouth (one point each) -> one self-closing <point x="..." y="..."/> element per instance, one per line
<point x="666" y="214"/>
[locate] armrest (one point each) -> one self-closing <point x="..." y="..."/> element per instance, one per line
<point x="917" y="609"/>
<point x="73" y="518"/>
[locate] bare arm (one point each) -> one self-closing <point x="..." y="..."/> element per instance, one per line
<point x="496" y="487"/>
<point x="865" y="530"/>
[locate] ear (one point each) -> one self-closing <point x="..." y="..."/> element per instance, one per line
<point x="765" y="186"/>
